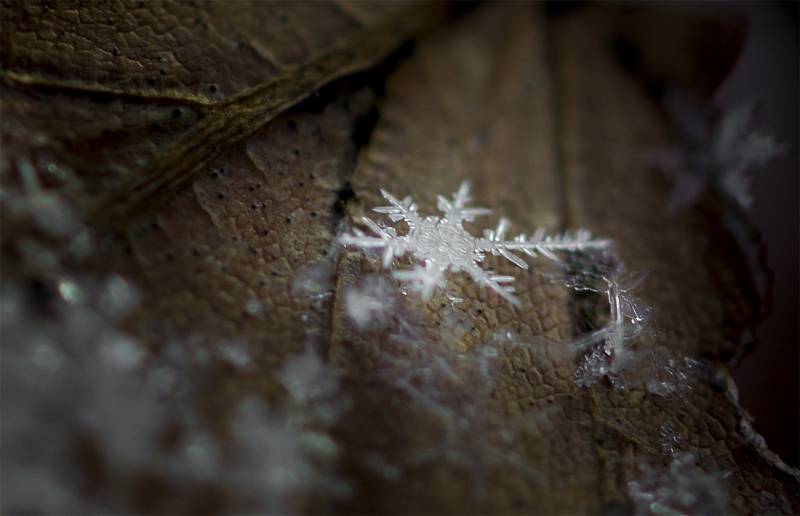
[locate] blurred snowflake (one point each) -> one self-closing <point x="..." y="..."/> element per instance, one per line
<point x="683" y="488"/>
<point x="441" y="243"/>
<point x="718" y="156"/>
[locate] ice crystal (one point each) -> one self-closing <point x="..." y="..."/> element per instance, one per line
<point x="607" y="346"/>
<point x="673" y="377"/>
<point x="720" y="156"/>
<point x="683" y="488"/>
<point x="370" y="304"/>
<point x="671" y="439"/>
<point x="457" y="388"/>
<point x="442" y="244"/>
<point x="276" y="463"/>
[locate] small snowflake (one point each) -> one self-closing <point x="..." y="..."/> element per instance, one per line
<point x="441" y="243"/>
<point x="720" y="156"/>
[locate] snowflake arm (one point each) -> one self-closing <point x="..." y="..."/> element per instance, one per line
<point x="423" y="279"/>
<point x="538" y="243"/>
<point x="392" y="244"/>
<point x="494" y="282"/>
<point x="455" y="211"/>
<point x="398" y="210"/>
<point x="738" y="148"/>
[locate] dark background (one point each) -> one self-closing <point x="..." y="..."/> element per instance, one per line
<point x="767" y="72"/>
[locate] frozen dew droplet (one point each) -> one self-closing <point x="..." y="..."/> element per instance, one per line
<point x="253" y="307"/>
<point x="235" y="353"/>
<point x="70" y="291"/>
<point x="121" y="352"/>
<point x="118" y="297"/>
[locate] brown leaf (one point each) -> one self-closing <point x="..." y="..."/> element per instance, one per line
<point x="465" y="405"/>
<point x="137" y="97"/>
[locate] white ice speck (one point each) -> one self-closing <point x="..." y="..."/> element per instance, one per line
<point x="369" y="304"/>
<point x="236" y="354"/>
<point x="442" y="244"/>
<point x="253" y="307"/>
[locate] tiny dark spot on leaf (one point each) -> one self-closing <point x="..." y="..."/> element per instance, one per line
<point x="212" y="88"/>
<point x="176" y="113"/>
<point x="151" y="81"/>
<point x="292" y="125"/>
<point x="220" y="196"/>
<point x="288" y="220"/>
<point x="342" y="197"/>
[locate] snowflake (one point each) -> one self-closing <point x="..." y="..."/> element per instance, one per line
<point x="441" y="243"/>
<point x="721" y="156"/>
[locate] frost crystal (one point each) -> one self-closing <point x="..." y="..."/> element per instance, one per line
<point x="371" y="304"/>
<point x="720" y="156"/>
<point x="441" y="243"/>
<point x="684" y="488"/>
<point x="608" y="354"/>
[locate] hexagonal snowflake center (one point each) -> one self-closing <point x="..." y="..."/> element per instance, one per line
<point x="444" y="243"/>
